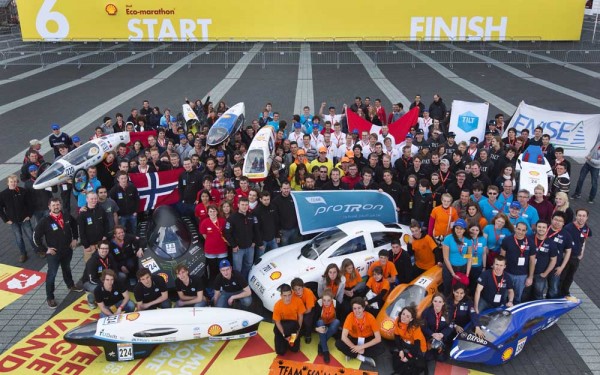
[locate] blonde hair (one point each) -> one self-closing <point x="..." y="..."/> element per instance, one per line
<point x="12" y="177"/>
<point x="565" y="197"/>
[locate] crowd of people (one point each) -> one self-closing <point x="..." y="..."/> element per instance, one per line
<point x="497" y="244"/>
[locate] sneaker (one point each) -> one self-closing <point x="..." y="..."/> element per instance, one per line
<point x="92" y="305"/>
<point x="307" y="339"/>
<point x="76" y="289"/>
<point x="576" y="196"/>
<point x="590" y="201"/>
<point x="326" y="357"/>
<point x="370" y="361"/>
<point x="23" y="258"/>
<point x="51" y="303"/>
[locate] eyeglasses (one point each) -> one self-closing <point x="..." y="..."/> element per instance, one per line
<point x="492" y="193"/>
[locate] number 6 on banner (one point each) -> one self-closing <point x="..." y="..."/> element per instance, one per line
<point x="46" y="15"/>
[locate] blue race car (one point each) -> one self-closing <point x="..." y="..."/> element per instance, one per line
<point x="227" y="125"/>
<point x="508" y="329"/>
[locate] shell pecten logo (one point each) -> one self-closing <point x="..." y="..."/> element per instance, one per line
<point x="133" y="316"/>
<point x="275" y="275"/>
<point x="387" y="325"/>
<point x="214" y="330"/>
<point x="507" y="354"/>
<point x="111" y="9"/>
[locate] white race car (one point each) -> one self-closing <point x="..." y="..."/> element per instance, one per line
<point x="357" y="240"/>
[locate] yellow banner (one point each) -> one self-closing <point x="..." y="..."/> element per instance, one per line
<point x="188" y="20"/>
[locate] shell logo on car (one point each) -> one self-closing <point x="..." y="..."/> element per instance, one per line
<point x="133" y="316"/>
<point x="275" y="275"/>
<point x="387" y="325"/>
<point x="507" y="354"/>
<point x="215" y="329"/>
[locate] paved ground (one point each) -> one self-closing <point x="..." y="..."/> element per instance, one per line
<point x="28" y="106"/>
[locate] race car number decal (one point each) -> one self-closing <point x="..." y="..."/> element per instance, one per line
<point x="125" y="352"/>
<point x="520" y="345"/>
<point x="69" y="171"/>
<point x="423" y="281"/>
<point x="151" y="265"/>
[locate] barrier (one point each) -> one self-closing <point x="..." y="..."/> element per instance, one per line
<point x="211" y="58"/>
<point x="325" y="58"/>
<point x="57" y="57"/>
<point x="583" y="57"/>
<point x="21" y="58"/>
<point x="394" y="57"/>
<point x="509" y="57"/>
<point x="466" y="57"/>
<point x="99" y="58"/>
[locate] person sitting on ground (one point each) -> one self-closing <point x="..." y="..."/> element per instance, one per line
<point x="410" y="343"/>
<point x="308" y="299"/>
<point x="327" y="323"/>
<point x="287" y="316"/>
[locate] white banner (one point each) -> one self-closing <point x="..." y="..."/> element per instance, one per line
<point x="576" y="133"/>
<point x="468" y="120"/>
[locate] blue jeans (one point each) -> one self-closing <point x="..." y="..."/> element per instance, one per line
<point x="289" y="236"/>
<point x="129" y="307"/>
<point x="131" y="220"/>
<point x="332" y="329"/>
<point x="539" y="286"/>
<point x="243" y="260"/>
<point x="224" y="297"/>
<point x="18" y="230"/>
<point x="62" y="259"/>
<point x="518" y="286"/>
<point x="270" y="245"/>
<point x="553" y="285"/>
<point x="89" y="287"/>
<point x="583" y="174"/>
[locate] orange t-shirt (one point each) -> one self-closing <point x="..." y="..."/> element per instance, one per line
<point x="423" y="249"/>
<point x="328" y="313"/>
<point x="411" y="335"/>
<point x="351" y="283"/>
<point x="333" y="286"/>
<point x="281" y="311"/>
<point x="308" y="298"/>
<point x="388" y="271"/>
<point x="443" y="218"/>
<point x="365" y="327"/>
<point x="376" y="287"/>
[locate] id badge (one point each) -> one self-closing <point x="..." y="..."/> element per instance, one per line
<point x="360" y="341"/>
<point x="410" y="205"/>
<point x="184" y="182"/>
<point x="65" y="187"/>
<point x="474" y="260"/>
<point x="435" y="204"/>
<point x="119" y="195"/>
<point x="89" y="221"/>
<point x="497" y="298"/>
<point x="521" y="261"/>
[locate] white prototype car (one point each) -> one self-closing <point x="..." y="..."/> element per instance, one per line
<point x="357" y="240"/>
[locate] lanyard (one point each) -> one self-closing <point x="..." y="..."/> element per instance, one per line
<point x="103" y="262"/>
<point x="497" y="235"/>
<point x="462" y="246"/>
<point x="539" y="246"/>
<point x="498" y="284"/>
<point x="475" y="246"/>
<point x="444" y="179"/>
<point x="438" y="317"/>
<point x="584" y="235"/>
<point x="521" y="247"/>
<point x="396" y="257"/>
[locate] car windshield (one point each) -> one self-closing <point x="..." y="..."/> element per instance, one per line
<point x="493" y="326"/>
<point x="82" y="153"/>
<point x="217" y="135"/>
<point x="256" y="162"/>
<point x="411" y="296"/>
<point x="322" y="242"/>
<point x="170" y="238"/>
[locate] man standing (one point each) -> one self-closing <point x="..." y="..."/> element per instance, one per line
<point x="242" y="234"/>
<point x="519" y="252"/>
<point x="58" y="138"/>
<point x="190" y="183"/>
<point x="286" y="216"/>
<point x="591" y="166"/>
<point x="14" y="211"/>
<point x="110" y="207"/>
<point x="267" y="221"/>
<point x="579" y="231"/>
<point x="60" y="233"/>
<point x="128" y="199"/>
<point x="562" y="241"/>
<point x="545" y="260"/>
<point x="93" y="226"/>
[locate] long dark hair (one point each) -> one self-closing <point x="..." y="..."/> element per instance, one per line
<point x="415" y="322"/>
<point x="338" y="278"/>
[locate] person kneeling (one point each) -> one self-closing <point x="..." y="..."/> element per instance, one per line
<point x="230" y="286"/>
<point x="190" y="289"/>
<point x="360" y="337"/>
<point x="287" y="316"/>
<point x="110" y="293"/>
<point x="378" y="288"/>
<point x="151" y="291"/>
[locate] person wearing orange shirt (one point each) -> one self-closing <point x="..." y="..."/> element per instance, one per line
<point x="378" y="288"/>
<point x="408" y="355"/>
<point x="361" y="338"/>
<point x="389" y="269"/>
<point x="308" y="299"/>
<point x="424" y="248"/>
<point x="333" y="279"/>
<point x="441" y="219"/>
<point x="287" y="316"/>
<point x="327" y="323"/>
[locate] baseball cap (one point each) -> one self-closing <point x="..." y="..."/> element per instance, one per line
<point x="420" y="131"/>
<point x="322" y="149"/>
<point x="445" y="161"/>
<point x="34" y="142"/>
<point x="129" y="122"/>
<point x="349" y="154"/>
<point x="224" y="264"/>
<point x="219" y="153"/>
<point x="460" y="223"/>
<point x="409" y="135"/>
<point x="451" y="135"/>
<point x="301" y="152"/>
<point x="488" y="132"/>
<point x="76" y="139"/>
<point x="474" y="140"/>
<point x="55" y="127"/>
<point x="297" y="125"/>
<point x="32" y="168"/>
<point x="355" y="131"/>
<point x="182" y="136"/>
<point x="345" y="160"/>
<point x="515" y="204"/>
<point x="425" y="110"/>
<point x="492" y="122"/>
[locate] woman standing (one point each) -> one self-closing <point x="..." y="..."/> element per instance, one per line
<point x="455" y="250"/>
<point x="475" y="216"/>
<point x="287" y="316"/>
<point x="478" y="255"/>
<point x="327" y="322"/>
<point x="437" y="328"/>
<point x="494" y="233"/>
<point x="561" y="203"/>
<point x="201" y="210"/>
<point x="410" y="343"/>
<point x="215" y="247"/>
<point x="332" y="279"/>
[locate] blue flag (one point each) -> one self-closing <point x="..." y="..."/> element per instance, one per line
<point x="320" y="210"/>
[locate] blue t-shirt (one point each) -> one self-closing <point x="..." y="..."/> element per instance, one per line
<point x="505" y="201"/>
<point x="531" y="215"/>
<point x="457" y="252"/>
<point x="494" y="238"/>
<point x="543" y="252"/>
<point x="490" y="210"/>
<point x="493" y="285"/>
<point x="477" y="251"/>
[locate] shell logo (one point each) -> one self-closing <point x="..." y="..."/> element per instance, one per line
<point x="133" y="316"/>
<point x="507" y="354"/>
<point x="111" y="9"/>
<point x="164" y="276"/>
<point x="275" y="275"/>
<point x="534" y="173"/>
<point x="387" y="325"/>
<point x="214" y="330"/>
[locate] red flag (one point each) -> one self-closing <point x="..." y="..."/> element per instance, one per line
<point x="157" y="189"/>
<point x="140" y="136"/>
<point x="359" y="123"/>
<point x="401" y="127"/>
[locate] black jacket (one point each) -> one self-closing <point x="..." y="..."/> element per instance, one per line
<point x="55" y="236"/>
<point x="286" y="212"/>
<point x="94" y="267"/>
<point x="128" y="199"/>
<point x="267" y="221"/>
<point x="37" y="199"/>
<point x="190" y="183"/>
<point x="93" y="225"/>
<point x="128" y="250"/>
<point x="242" y="230"/>
<point x="14" y="205"/>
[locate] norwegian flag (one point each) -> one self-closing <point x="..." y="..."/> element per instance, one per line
<point x="157" y="189"/>
<point x="141" y="136"/>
